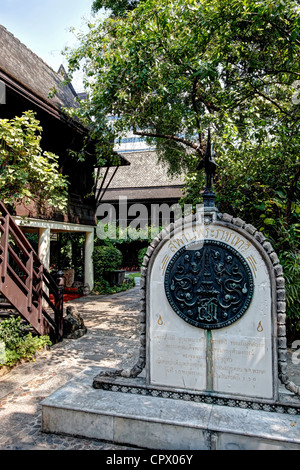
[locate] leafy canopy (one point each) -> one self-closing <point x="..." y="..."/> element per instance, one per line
<point x="169" y="69"/>
<point x="26" y="171"/>
<point x="117" y="7"/>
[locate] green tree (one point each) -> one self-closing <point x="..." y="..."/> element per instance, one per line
<point x="117" y="7"/>
<point x="28" y="173"/>
<point x="171" y="69"/>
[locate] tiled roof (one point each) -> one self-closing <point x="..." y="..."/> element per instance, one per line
<point x="163" y="193"/>
<point x="144" y="180"/>
<point x="144" y="171"/>
<point x="29" y="76"/>
<point x="30" y="71"/>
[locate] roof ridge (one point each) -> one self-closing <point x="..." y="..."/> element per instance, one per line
<point x="31" y="52"/>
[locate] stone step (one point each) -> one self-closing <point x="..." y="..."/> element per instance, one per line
<point x="152" y="422"/>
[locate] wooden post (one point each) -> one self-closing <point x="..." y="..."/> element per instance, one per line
<point x="59" y="305"/>
<point x="29" y="267"/>
<point x="88" y="259"/>
<point x="4" y="243"/>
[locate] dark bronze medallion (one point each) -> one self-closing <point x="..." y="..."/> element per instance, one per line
<point x="209" y="287"/>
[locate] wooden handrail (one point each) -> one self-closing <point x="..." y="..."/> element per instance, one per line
<point x="29" y="295"/>
<point x="12" y="273"/>
<point x="29" y="281"/>
<point x="18" y="261"/>
<point x="4" y="245"/>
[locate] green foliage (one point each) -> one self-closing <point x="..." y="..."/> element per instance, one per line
<point x="27" y="171"/>
<point x="109" y="233"/>
<point x="11" y="330"/>
<point x="18" y="344"/>
<point x="106" y="258"/>
<point x="169" y="70"/>
<point x="291" y="267"/>
<point x="117" y="7"/>
<point x="68" y="253"/>
<point x="101" y="286"/>
<point x="141" y="255"/>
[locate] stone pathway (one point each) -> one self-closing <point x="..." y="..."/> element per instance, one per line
<point x="112" y="341"/>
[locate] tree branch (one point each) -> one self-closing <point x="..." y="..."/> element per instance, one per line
<point x="268" y="99"/>
<point x="175" y="138"/>
<point x="194" y="101"/>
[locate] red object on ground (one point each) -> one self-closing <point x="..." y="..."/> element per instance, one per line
<point x="68" y="296"/>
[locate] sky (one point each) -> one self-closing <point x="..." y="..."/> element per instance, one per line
<point x="43" y="26"/>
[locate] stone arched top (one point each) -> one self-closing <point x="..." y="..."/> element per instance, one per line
<point x="276" y="275"/>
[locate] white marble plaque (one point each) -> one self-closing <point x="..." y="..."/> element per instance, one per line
<point x="236" y="359"/>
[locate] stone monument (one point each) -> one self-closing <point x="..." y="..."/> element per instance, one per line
<point x="212" y="345"/>
<point x="211" y="324"/>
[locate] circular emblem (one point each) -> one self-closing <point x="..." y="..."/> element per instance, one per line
<point x="209" y="287"/>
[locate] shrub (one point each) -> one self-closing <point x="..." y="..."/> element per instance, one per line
<point x="11" y="332"/>
<point x="102" y="287"/>
<point x="106" y="258"/>
<point x="18" y="343"/>
<point x="291" y="270"/>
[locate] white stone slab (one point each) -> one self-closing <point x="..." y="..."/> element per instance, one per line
<point x="150" y="422"/>
<point x="241" y="355"/>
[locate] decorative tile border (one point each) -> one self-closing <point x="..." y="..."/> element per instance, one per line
<point x="198" y="398"/>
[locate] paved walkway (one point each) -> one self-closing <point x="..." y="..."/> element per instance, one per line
<point x="112" y="341"/>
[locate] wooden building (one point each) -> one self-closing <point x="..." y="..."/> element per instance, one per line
<point x="145" y="181"/>
<point x="26" y="81"/>
<point x="141" y="192"/>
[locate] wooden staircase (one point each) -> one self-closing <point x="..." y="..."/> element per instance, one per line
<point x="6" y="309"/>
<point x="26" y="284"/>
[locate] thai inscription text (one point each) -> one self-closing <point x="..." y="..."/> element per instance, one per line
<point x="202" y="233"/>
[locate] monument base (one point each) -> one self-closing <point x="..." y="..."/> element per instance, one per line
<point x="134" y="417"/>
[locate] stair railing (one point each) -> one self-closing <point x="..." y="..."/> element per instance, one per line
<point x="26" y="283"/>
